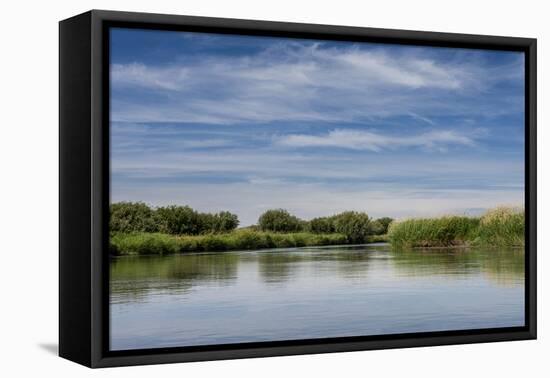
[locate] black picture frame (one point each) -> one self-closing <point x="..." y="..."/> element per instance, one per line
<point x="84" y="188"/>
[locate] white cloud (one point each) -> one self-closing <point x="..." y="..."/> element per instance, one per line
<point x="306" y="82"/>
<point x="271" y="165"/>
<point x="316" y="184"/>
<point x="373" y="141"/>
<point x="140" y="75"/>
<point x="306" y="65"/>
<point x="413" y="72"/>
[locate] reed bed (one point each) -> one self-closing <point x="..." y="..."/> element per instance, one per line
<point x="502" y="226"/>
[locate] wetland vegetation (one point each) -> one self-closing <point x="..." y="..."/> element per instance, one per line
<point x="138" y="229"/>
<point x="502" y="226"/>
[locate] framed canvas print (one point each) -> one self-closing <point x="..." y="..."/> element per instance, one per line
<point x="234" y="188"/>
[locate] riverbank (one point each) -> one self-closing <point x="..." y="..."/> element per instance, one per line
<point x="498" y="227"/>
<point x="139" y="230"/>
<point x="145" y="243"/>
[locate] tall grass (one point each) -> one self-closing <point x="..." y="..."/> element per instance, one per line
<point x="499" y="227"/>
<point x="502" y="226"/>
<point x="432" y="232"/>
<point x="142" y="243"/>
<point x="160" y="244"/>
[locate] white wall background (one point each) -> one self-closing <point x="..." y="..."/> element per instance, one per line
<point x="29" y="189"/>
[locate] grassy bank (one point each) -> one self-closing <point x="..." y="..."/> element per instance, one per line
<point x="280" y="229"/>
<point x="144" y="243"/>
<point x="498" y="227"/>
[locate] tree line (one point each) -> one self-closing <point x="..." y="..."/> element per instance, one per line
<point x="127" y="217"/>
<point x="130" y="217"/>
<point x="355" y="225"/>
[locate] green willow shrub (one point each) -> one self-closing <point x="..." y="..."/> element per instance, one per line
<point x="355" y="225"/>
<point x="132" y="217"/>
<point x="178" y="220"/>
<point x="321" y="225"/>
<point x="223" y="221"/>
<point x="380" y="225"/>
<point x="129" y="217"/>
<point x="377" y="228"/>
<point x="183" y="220"/>
<point x="279" y="220"/>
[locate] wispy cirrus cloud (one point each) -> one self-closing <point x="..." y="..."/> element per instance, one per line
<point x="298" y="65"/>
<point x="141" y="76"/>
<point x="299" y="81"/>
<point x="376" y="141"/>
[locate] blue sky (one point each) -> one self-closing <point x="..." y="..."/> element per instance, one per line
<point x="245" y="124"/>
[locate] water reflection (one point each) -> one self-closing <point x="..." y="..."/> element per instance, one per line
<point x="276" y="268"/>
<point x="197" y="299"/>
<point x="133" y="277"/>
<point x="502" y="266"/>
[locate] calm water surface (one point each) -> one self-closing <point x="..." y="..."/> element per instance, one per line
<point x="311" y="292"/>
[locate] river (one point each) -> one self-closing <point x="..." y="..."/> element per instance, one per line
<point x="310" y="292"/>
